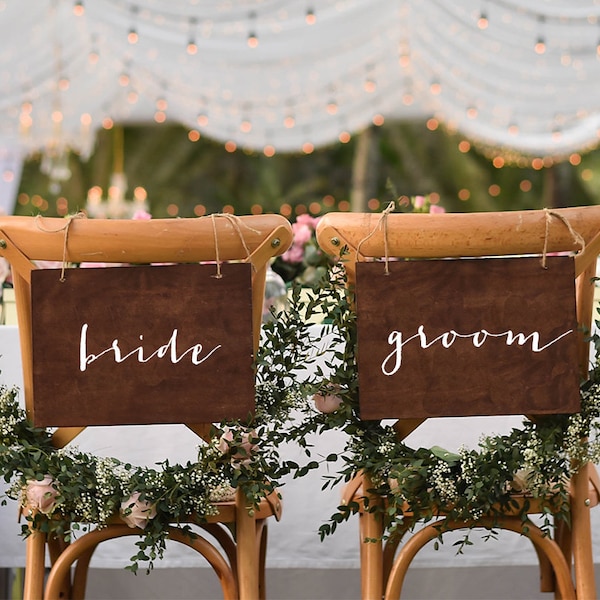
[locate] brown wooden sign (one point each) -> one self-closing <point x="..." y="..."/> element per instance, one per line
<point x="467" y="337"/>
<point x="142" y="344"/>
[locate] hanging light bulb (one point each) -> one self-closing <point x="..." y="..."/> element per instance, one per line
<point x="78" y="9"/>
<point x="252" y="37"/>
<point x="310" y="18"/>
<point x="132" y="36"/>
<point x="191" y="48"/>
<point x="482" y="22"/>
<point x="540" y="46"/>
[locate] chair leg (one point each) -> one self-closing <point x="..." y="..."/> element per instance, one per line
<point x="35" y="558"/>
<point x="261" y="537"/>
<point x="247" y="556"/>
<point x="585" y="584"/>
<point x="371" y="556"/>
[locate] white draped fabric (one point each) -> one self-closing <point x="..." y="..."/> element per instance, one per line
<point x="295" y="74"/>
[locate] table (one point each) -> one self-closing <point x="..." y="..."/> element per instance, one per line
<point x="293" y="542"/>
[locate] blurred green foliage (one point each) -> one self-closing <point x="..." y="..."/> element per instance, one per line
<point x="185" y="178"/>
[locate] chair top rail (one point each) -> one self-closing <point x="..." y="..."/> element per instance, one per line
<point x="156" y="240"/>
<point x="418" y="235"/>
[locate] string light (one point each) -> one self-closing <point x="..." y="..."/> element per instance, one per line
<point x="252" y="37"/>
<point x="78" y="9"/>
<point x="310" y="18"/>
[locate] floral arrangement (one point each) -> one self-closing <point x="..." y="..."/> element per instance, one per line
<point x="65" y="490"/>
<point x="304" y="261"/>
<point x="535" y="460"/>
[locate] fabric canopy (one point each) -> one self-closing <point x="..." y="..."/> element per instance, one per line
<point x="292" y="75"/>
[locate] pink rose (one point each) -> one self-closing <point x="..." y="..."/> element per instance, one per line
<point x="141" y="215"/>
<point x="306" y="219"/>
<point x="245" y="448"/>
<point x="136" y="512"/>
<point x="41" y="495"/>
<point x="434" y="209"/>
<point x="295" y="254"/>
<point x="302" y="234"/>
<point x="327" y="403"/>
<point x="419" y="202"/>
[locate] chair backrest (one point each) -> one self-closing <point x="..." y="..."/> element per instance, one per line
<point x="213" y="239"/>
<point x="361" y="238"/>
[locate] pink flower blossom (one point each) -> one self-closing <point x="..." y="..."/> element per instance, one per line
<point x="245" y="448"/>
<point x="327" y="403"/>
<point x="419" y="202"/>
<point x="302" y="233"/>
<point x="434" y="209"/>
<point x="136" y="512"/>
<point x="306" y="219"/>
<point x="141" y="215"/>
<point x="41" y="495"/>
<point x="295" y="254"/>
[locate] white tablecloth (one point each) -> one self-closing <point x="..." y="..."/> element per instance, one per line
<point x="294" y="541"/>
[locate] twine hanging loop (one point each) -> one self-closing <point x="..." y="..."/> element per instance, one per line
<point x="381" y="223"/>
<point x="577" y="238"/>
<point x="69" y="219"/>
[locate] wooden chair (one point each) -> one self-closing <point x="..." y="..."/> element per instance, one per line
<point x="239" y="564"/>
<point x="366" y="237"/>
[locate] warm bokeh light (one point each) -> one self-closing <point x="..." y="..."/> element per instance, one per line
<point x="464" y="194"/>
<point x="202" y="120"/>
<point x="308" y="148"/>
<point x="132" y="36"/>
<point x="285" y="210"/>
<point x="344" y="205"/>
<point x="229" y="209"/>
<point x="494" y="190"/>
<point x="525" y="185"/>
<point x="269" y="150"/>
<point x="498" y="162"/>
<point x="432" y="124"/>
<point x="328" y="201"/>
<point x="464" y="146"/>
<point x="537" y="164"/>
<point x="172" y="210"/>
<point x="575" y="159"/>
<point x="587" y="174"/>
<point x="107" y="123"/>
<point x="193" y="135"/>
<point x="199" y="210"/>
<point x="314" y="208"/>
<point x="256" y="209"/>
<point x="300" y="209"/>
<point x="160" y="116"/>
<point x="378" y="120"/>
<point x="230" y="146"/>
<point x="344" y="137"/>
<point x="373" y="204"/>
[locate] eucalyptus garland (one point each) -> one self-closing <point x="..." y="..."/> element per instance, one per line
<point x="535" y="461"/>
<point x="65" y="490"/>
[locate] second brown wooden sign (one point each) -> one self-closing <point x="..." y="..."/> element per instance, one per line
<point x="467" y="337"/>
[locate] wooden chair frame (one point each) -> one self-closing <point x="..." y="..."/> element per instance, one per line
<point x="476" y="235"/>
<point x="240" y="562"/>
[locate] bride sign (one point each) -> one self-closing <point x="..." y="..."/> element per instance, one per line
<point x="142" y="344"/>
<point x="467" y="337"/>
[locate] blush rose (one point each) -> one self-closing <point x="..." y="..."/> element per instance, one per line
<point x="41" y="495"/>
<point x="136" y="512"/>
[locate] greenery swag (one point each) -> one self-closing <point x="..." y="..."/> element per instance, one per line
<point x="306" y="384"/>
<point x="535" y="460"/>
<point x="65" y="490"/>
